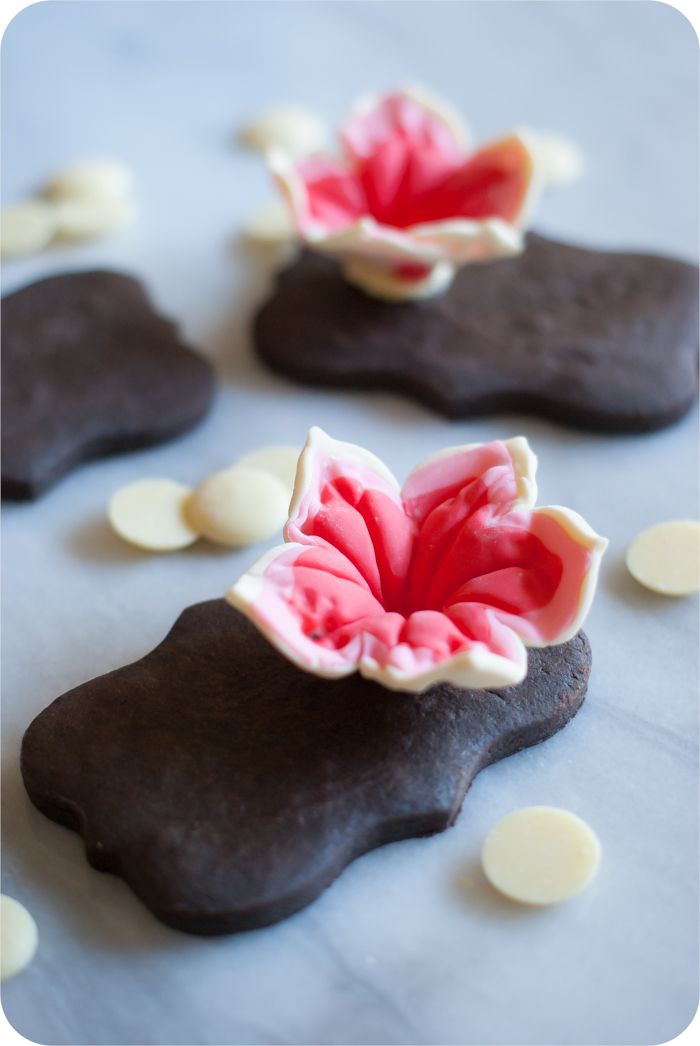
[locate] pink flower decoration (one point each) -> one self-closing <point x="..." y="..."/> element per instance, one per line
<point x="449" y="578"/>
<point x="408" y="198"/>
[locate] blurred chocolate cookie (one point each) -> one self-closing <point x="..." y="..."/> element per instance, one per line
<point x="89" y="368"/>
<point x="593" y="339"/>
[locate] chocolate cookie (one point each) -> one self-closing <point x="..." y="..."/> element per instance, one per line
<point x="229" y="788"/>
<point x="593" y="339"/>
<point x="88" y="369"/>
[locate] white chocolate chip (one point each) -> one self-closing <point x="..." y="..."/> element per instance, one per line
<point x="239" y="506"/>
<point x="18" y="937"/>
<point x="540" y="855"/>
<point x="90" y="180"/>
<point x="558" y="160"/>
<point x="89" y="218"/>
<point x="296" y="130"/>
<point x="280" y="460"/>
<point x="150" y="514"/>
<point x="666" y="557"/>
<point x="270" y="224"/>
<point x="27" y="227"/>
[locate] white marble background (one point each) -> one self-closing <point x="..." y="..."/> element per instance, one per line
<point x="395" y="951"/>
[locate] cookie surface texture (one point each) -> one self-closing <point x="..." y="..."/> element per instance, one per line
<point x="229" y="788"/>
<point x="596" y="340"/>
<point x="90" y="369"/>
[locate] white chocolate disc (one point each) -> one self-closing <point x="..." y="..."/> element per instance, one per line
<point x="18" y="937"/>
<point x="540" y="855"/>
<point x="296" y="130"/>
<point x="90" y="180"/>
<point x="239" y="506"/>
<point x="279" y="460"/>
<point x="150" y="514"/>
<point x="666" y="557"/>
<point x="270" y="224"/>
<point x="558" y="160"/>
<point x="27" y="227"/>
<point x="89" y="218"/>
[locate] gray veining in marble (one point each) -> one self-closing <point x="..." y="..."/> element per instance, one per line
<point x="400" y="949"/>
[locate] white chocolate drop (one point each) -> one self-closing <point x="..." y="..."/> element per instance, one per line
<point x="559" y="161"/>
<point x="90" y="218"/>
<point x="296" y="130"/>
<point x="666" y="557"/>
<point x="239" y="506"/>
<point x="270" y="224"/>
<point x="540" y="855"/>
<point x="27" y="227"/>
<point x="150" y="514"/>
<point x="90" y="180"/>
<point x="18" y="937"/>
<point x="281" y="461"/>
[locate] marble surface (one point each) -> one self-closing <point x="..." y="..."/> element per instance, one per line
<point x="399" y="950"/>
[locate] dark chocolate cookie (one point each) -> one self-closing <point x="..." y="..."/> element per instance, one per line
<point x="88" y="369"/>
<point x="593" y="339"/>
<point x="229" y="788"/>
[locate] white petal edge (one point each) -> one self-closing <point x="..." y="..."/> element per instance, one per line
<point x="283" y="169"/>
<point x="477" y="668"/>
<point x="537" y="179"/>
<point x="583" y="534"/>
<point x="318" y="443"/>
<point x="524" y="466"/>
<point x="457" y="240"/>
<point x="466" y="240"/>
<point x="244" y="595"/>
<point x="432" y="103"/>
<point x="372" y="241"/>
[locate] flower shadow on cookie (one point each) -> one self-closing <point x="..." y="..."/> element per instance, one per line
<point x="448" y="579"/>
<point x="409" y="202"/>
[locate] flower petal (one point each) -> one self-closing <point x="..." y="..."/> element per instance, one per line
<point x="317" y="611"/>
<point x="402" y="148"/>
<point x="370" y="241"/>
<point x="322" y="194"/>
<point x="464" y="240"/>
<point x="452" y="497"/>
<point x="441" y="476"/>
<point x="411" y="116"/>
<point x="496" y="182"/>
<point x="536" y="570"/>
<point x="567" y="537"/>
<point x="296" y="595"/>
<point x="431" y="647"/>
<point x="345" y="498"/>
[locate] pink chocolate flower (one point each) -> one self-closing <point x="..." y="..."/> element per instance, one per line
<point x="408" y="196"/>
<point x="449" y="578"/>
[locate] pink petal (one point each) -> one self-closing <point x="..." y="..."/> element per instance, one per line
<point x="532" y="569"/>
<point x="494" y="183"/>
<point x="347" y="500"/>
<point x="504" y="469"/>
<point x="498" y="562"/>
<point x="451" y="498"/>
<point x="403" y="117"/>
<point x="546" y="612"/>
<point x="334" y="195"/>
<point x="401" y="151"/>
